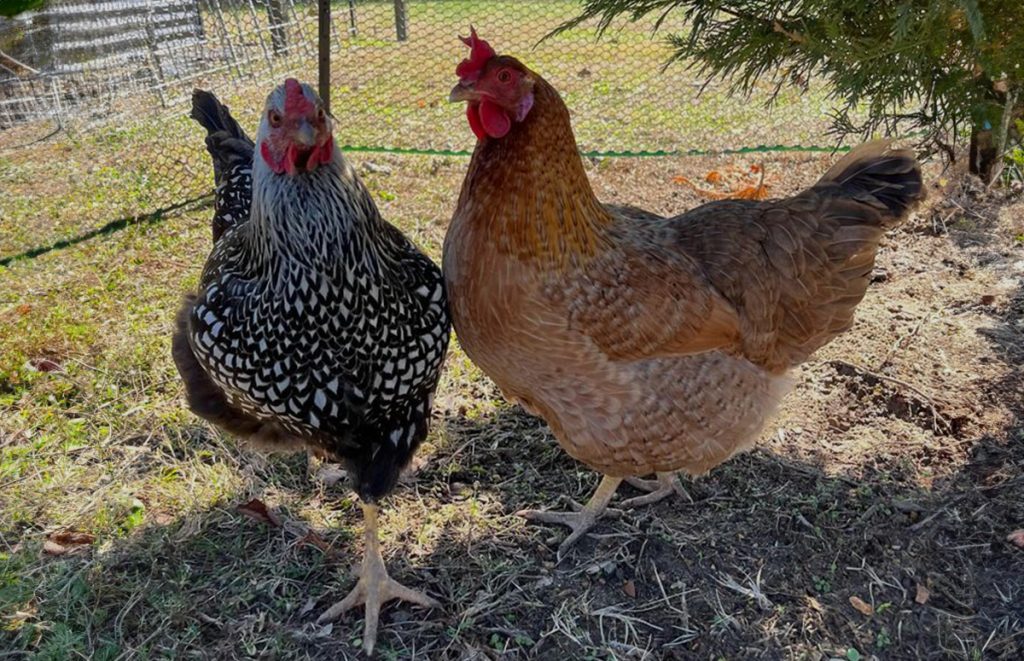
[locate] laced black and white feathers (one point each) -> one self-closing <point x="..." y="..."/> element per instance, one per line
<point x="318" y="324"/>
<point x="231" y="151"/>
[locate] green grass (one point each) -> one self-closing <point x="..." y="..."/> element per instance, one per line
<point x="104" y="444"/>
<point x="135" y="157"/>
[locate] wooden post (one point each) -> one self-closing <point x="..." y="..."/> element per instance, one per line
<point x="278" y="34"/>
<point x="401" y="20"/>
<point x="324" y="51"/>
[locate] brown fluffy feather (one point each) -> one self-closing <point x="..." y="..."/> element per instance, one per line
<point x="649" y="343"/>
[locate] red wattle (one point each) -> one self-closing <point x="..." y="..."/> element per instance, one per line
<point x="473" y="115"/>
<point x="495" y="120"/>
<point x="323" y="154"/>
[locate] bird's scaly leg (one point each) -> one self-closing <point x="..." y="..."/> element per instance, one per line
<point x="374" y="587"/>
<point x="666" y="485"/>
<point x="582" y="521"/>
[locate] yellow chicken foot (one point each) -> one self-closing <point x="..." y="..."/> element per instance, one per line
<point x="666" y="485"/>
<point x="374" y="587"/>
<point x="582" y="521"/>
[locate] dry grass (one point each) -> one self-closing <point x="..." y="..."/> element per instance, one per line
<point x="132" y="156"/>
<point x="897" y="463"/>
<point x="895" y="467"/>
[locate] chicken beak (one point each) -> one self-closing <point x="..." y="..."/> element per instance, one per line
<point x="463" y="92"/>
<point x="305" y="135"/>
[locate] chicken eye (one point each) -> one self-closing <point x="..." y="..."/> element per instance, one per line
<point x="504" y="76"/>
<point x="274" y="118"/>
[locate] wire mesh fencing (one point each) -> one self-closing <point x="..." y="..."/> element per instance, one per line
<point x="99" y="91"/>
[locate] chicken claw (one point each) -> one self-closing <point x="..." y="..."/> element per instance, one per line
<point x="666" y="485"/>
<point x="582" y="521"/>
<point x="374" y="587"/>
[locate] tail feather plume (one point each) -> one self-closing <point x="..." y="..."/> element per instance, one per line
<point x="232" y="152"/>
<point x="887" y="179"/>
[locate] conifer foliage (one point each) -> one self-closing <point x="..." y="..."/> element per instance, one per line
<point x="949" y="67"/>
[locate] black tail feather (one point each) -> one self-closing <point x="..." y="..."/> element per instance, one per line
<point x="214" y="116"/>
<point x="232" y="153"/>
<point x="882" y="177"/>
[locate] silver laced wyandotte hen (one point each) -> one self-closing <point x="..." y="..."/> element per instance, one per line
<point x="648" y="344"/>
<point x="317" y="324"/>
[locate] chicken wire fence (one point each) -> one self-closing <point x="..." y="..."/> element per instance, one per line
<point x="101" y="90"/>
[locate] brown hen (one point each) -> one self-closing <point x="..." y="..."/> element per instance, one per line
<point x="648" y="344"/>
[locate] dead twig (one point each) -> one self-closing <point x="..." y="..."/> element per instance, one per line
<point x="928" y="519"/>
<point x="902" y="342"/>
<point x="936" y="416"/>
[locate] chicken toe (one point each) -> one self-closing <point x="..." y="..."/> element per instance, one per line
<point x="666" y="485"/>
<point x="374" y="587"/>
<point x="581" y="521"/>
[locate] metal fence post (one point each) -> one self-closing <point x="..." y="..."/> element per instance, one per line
<point x="353" y="31"/>
<point x="155" y="64"/>
<point x="401" y="20"/>
<point x="324" y="51"/>
<point x="278" y="35"/>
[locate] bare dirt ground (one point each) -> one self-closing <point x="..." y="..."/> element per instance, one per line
<point x="872" y="521"/>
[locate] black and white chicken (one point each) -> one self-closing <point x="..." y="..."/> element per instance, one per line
<point x="317" y="324"/>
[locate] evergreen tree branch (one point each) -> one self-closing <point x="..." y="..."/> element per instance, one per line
<point x="882" y="58"/>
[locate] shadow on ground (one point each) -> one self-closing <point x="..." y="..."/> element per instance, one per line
<point x="763" y="564"/>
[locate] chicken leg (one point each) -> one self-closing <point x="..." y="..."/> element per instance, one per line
<point x="582" y="521"/>
<point x="374" y="587"/>
<point x="666" y="485"/>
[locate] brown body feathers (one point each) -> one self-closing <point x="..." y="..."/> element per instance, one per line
<point x="648" y="343"/>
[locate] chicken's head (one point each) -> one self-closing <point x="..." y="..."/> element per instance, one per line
<point x="295" y="132"/>
<point x="498" y="89"/>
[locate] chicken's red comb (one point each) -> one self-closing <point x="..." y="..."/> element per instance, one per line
<point x="295" y="101"/>
<point x="480" y="51"/>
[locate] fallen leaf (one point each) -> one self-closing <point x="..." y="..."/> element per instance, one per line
<point x="751" y="193"/>
<point x="72" y="537"/>
<point x="308" y="606"/>
<point x="44" y="364"/>
<point x="988" y="299"/>
<point x="330" y="474"/>
<point x="1016" y="538"/>
<point x="862" y="606"/>
<point x="53" y="548"/>
<point x="711" y="194"/>
<point x="922" y="595"/>
<point x="256" y="510"/>
<point x="23" y="309"/>
<point x="629" y="587"/>
<point x="713" y="177"/>
<point x="907" y="505"/>
<point x="316" y="540"/>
